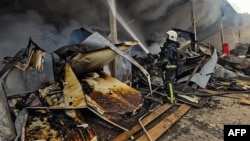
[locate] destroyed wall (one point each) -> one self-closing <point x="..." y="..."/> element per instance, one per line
<point x="208" y="15"/>
<point x="235" y="28"/>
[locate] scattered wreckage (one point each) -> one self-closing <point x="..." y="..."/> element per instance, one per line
<point x="42" y="94"/>
<point x="49" y="89"/>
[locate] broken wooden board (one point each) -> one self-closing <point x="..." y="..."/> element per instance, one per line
<point x="243" y="82"/>
<point x="34" y="58"/>
<point x="242" y="99"/>
<point x="127" y="134"/>
<point x="159" y="129"/>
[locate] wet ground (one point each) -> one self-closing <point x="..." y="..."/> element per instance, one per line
<point x="198" y="124"/>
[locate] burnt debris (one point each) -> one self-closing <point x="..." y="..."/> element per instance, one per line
<point x="43" y="95"/>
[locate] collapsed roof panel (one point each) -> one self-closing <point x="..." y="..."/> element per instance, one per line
<point x="70" y="96"/>
<point x="7" y="129"/>
<point x="94" y="60"/>
<point x="32" y="70"/>
<point x="78" y="35"/>
<point x="112" y="99"/>
<point x="91" y="54"/>
<point x="202" y="77"/>
<point x="36" y="80"/>
<point x="92" y="42"/>
<point x="20" y="82"/>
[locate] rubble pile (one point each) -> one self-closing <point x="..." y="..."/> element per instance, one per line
<point x="43" y="94"/>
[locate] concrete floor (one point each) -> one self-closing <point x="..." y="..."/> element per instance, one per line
<point x="199" y="124"/>
<point x="206" y="124"/>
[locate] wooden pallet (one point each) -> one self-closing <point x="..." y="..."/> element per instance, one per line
<point x="242" y="99"/>
<point x="160" y="128"/>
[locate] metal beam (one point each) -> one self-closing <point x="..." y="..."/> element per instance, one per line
<point x="113" y="32"/>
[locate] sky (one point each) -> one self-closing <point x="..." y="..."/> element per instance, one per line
<point x="241" y="6"/>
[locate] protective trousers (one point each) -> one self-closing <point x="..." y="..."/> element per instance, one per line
<point x="170" y="75"/>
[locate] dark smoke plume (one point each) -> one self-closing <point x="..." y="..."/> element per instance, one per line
<point x="50" y="22"/>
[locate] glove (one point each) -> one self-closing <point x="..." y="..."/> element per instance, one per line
<point x="150" y="55"/>
<point x="150" y="58"/>
<point x="162" y="63"/>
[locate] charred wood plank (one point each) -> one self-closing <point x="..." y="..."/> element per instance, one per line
<point x="242" y="99"/>
<point x="127" y="134"/>
<point x="166" y="123"/>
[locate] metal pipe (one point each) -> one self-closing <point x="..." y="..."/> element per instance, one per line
<point x="113" y="32"/>
<point x="222" y="28"/>
<point x="142" y="126"/>
<point x="193" y="23"/>
<point x="144" y="129"/>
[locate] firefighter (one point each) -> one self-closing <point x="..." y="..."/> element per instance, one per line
<point x="167" y="61"/>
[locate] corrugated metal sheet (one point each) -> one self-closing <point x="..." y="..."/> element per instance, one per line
<point x="21" y="82"/>
<point x="111" y="98"/>
<point x="7" y="129"/>
<point x="70" y="96"/>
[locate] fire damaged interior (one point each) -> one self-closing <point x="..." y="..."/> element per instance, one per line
<point x="68" y="80"/>
<point x="46" y="92"/>
<point x="98" y="87"/>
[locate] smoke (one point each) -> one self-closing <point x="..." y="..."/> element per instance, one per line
<point x="154" y="18"/>
<point x="153" y="10"/>
<point x="235" y="28"/>
<point x="16" y="30"/>
<point x="50" y="22"/>
<point x="208" y="11"/>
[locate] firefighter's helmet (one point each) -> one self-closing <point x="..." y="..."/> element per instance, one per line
<point x="172" y="35"/>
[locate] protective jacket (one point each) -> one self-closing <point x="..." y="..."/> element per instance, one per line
<point x="170" y="52"/>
